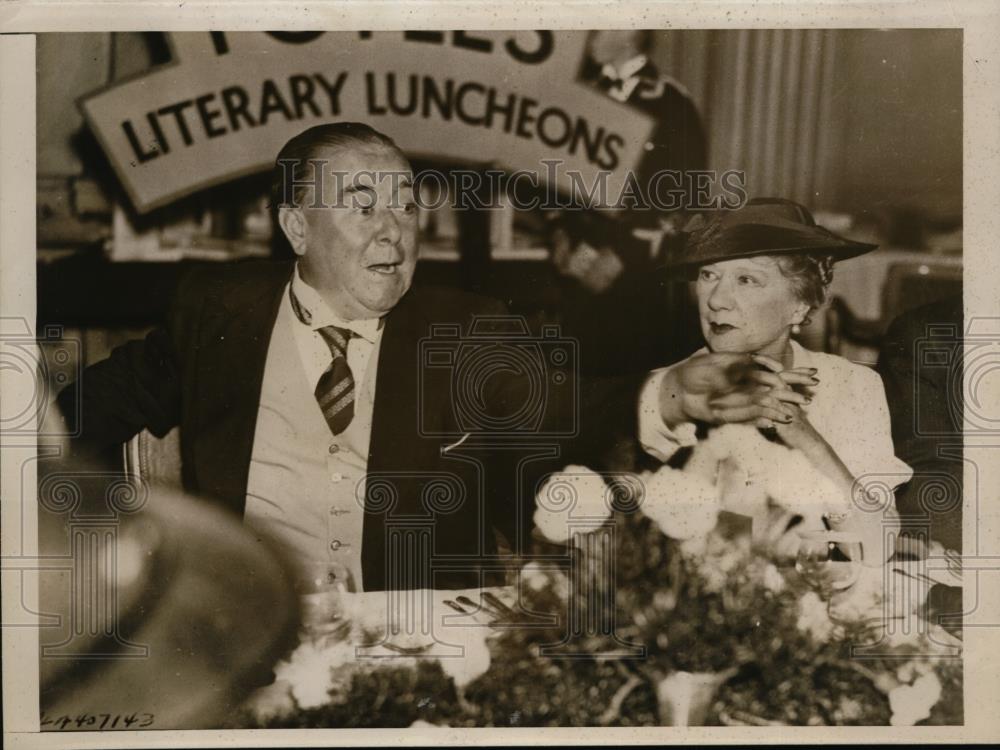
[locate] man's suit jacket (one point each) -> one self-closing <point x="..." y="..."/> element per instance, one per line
<point x="204" y="371"/>
<point x="922" y="374"/>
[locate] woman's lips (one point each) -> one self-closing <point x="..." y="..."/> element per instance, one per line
<point x="720" y="328"/>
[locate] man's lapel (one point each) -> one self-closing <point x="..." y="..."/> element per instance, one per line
<point x="400" y="455"/>
<point x="233" y="340"/>
<point x="397" y="397"/>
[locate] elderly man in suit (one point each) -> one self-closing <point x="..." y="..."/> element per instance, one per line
<point x="303" y="401"/>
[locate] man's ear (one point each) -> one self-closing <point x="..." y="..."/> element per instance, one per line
<point x="293" y="224"/>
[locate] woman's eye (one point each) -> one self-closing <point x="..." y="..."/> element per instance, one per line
<point x="410" y="208"/>
<point x="748" y="280"/>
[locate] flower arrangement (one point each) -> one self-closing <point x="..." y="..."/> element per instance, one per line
<point x="687" y="619"/>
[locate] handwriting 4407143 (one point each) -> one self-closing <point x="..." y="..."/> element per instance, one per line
<point x="96" y="722"/>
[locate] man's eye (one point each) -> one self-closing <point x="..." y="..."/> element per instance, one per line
<point x="748" y="280"/>
<point x="704" y="275"/>
<point x="410" y="208"/>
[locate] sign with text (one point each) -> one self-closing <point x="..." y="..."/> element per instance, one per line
<point x="229" y="101"/>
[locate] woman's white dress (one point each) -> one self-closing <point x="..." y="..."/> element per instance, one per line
<point x="848" y="409"/>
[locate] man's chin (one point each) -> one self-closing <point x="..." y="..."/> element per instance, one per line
<point x="381" y="302"/>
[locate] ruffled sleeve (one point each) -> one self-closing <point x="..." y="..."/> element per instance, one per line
<point x="655" y="437"/>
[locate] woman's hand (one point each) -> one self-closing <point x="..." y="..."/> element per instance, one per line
<point x="800" y="433"/>
<point x="780" y="384"/>
<point x="719" y="388"/>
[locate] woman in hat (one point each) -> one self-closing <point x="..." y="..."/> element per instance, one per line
<point x="758" y="273"/>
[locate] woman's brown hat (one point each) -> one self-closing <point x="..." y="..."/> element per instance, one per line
<point x="763" y="226"/>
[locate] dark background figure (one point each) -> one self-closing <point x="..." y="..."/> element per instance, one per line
<point x="642" y="319"/>
<point x="921" y="365"/>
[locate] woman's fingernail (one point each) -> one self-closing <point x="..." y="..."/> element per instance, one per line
<point x="815" y="380"/>
<point x="808" y="400"/>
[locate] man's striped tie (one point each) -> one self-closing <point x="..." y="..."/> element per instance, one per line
<point x="335" y="389"/>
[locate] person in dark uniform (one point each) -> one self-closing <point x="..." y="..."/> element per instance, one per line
<point x="652" y="317"/>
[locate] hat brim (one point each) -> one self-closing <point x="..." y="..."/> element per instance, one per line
<point x="752" y="240"/>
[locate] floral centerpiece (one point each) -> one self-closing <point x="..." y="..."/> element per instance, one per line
<point x="648" y="601"/>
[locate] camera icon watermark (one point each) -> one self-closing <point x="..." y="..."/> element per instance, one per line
<point x="38" y="367"/>
<point x="500" y="381"/>
<point x="969" y="363"/>
<point x="99" y="562"/>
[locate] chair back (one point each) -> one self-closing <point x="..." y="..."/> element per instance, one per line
<point x="155" y="460"/>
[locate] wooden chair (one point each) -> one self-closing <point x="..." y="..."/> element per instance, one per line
<point x="154" y="460"/>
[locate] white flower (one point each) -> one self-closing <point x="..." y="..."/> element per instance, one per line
<point x="534" y="576"/>
<point x="475" y="658"/>
<point x="849" y="708"/>
<point x="813" y="617"/>
<point x="538" y="577"/>
<point x="271" y="701"/>
<point x="694" y="547"/>
<point x="684" y="505"/>
<point x="913" y="703"/>
<point x="772" y="579"/>
<point x="575" y="493"/>
<point x="786" y="475"/>
<point x="665" y="600"/>
<point x="909" y="670"/>
<point x="308" y="671"/>
<point x="714" y="579"/>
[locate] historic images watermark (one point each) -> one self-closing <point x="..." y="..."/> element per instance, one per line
<point x="549" y="188"/>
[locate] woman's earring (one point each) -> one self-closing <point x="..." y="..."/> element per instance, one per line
<point x="796" y="329"/>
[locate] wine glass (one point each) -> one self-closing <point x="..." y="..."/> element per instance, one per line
<point x="829" y="561"/>
<point x="321" y="590"/>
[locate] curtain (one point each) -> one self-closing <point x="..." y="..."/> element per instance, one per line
<point x="766" y="97"/>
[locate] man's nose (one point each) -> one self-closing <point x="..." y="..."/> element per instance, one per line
<point x="389" y="233"/>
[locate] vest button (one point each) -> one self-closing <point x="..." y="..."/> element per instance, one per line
<point x="335" y="545"/>
<point x="334" y="448"/>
